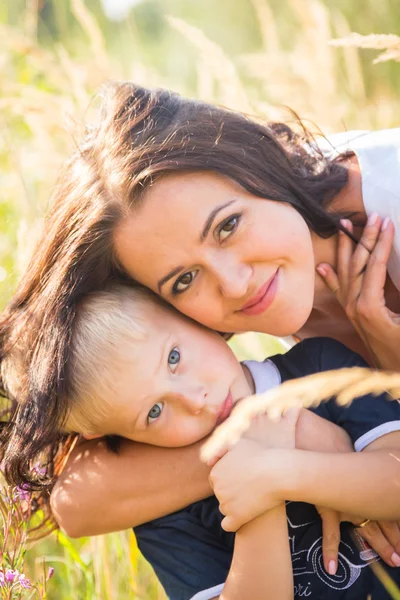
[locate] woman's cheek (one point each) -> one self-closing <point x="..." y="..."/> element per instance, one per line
<point x="201" y="308"/>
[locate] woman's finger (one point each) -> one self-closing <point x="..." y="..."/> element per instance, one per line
<point x="344" y="255"/>
<point x="376" y="272"/>
<point x="365" y="246"/>
<point x="329" y="276"/>
<point x="391" y="531"/>
<point x="337" y="281"/>
<point x="330" y="538"/>
<point x="373" y="534"/>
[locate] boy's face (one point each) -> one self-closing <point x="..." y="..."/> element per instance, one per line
<point x="180" y="384"/>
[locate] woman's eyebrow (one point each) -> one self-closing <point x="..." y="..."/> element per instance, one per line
<point x="211" y="217"/>
<point x="168" y="277"/>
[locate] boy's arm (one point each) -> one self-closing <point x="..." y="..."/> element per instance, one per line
<point x="261" y="565"/>
<point x="316" y="434"/>
<point x="364" y="482"/>
<point x="251" y="479"/>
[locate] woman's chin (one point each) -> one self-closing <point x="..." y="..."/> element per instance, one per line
<point x="293" y="321"/>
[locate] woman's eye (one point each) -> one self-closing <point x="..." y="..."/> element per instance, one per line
<point x="227" y="227"/>
<point x="155" y="412"/>
<point x="183" y="282"/>
<point x="173" y="358"/>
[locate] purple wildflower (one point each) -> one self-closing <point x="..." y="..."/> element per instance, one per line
<point x="2" y="579"/>
<point x="22" y="493"/>
<point x="10" y="575"/>
<point x="24" y="581"/>
<point x="50" y="573"/>
<point x="39" y="470"/>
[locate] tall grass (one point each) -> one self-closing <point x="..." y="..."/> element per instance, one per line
<point x="50" y="68"/>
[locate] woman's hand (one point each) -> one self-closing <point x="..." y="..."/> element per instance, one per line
<point x="382" y="536"/>
<point x="359" y="283"/>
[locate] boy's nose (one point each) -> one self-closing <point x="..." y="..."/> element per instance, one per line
<point x="193" y="399"/>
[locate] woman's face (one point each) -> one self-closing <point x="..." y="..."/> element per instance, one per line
<point x="231" y="261"/>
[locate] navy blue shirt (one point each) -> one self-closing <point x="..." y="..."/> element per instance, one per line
<point x="191" y="553"/>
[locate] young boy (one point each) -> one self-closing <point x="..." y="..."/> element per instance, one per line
<point x="143" y="371"/>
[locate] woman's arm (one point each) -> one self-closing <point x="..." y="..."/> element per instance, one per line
<point x="261" y="566"/>
<point x="99" y="491"/>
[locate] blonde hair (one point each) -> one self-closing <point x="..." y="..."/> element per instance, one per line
<point x="107" y="330"/>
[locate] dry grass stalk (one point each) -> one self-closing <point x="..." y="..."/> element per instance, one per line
<point x="90" y="26"/>
<point x="231" y="91"/>
<point x="344" y="384"/>
<point x="267" y="26"/>
<point x="390" y="43"/>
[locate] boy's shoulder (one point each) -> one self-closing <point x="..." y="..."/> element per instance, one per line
<point x="315" y="355"/>
<point x="309" y="356"/>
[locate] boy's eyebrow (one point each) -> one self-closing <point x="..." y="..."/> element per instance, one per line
<point x="203" y="235"/>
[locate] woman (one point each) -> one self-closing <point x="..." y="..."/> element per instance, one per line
<point x="233" y="216"/>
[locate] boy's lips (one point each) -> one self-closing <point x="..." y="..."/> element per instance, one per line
<point x="264" y="297"/>
<point x="225" y="409"/>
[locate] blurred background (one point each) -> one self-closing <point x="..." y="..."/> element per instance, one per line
<point x="259" y="56"/>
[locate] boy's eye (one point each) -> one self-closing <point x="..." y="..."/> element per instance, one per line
<point x="155" y="412"/>
<point x="227" y="227"/>
<point x="183" y="282"/>
<point x="173" y="358"/>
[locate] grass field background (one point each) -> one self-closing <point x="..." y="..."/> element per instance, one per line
<point x="255" y="55"/>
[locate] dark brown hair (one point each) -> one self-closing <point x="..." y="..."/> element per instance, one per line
<point x="141" y="136"/>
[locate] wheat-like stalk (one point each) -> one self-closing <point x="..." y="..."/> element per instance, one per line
<point x="343" y="384"/>
<point x="222" y="69"/>
<point x="389" y="43"/>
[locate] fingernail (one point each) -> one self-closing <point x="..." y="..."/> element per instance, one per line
<point x="372" y="218"/>
<point x="347" y="224"/>
<point x="385" y="223"/>
<point x="395" y="559"/>
<point x="322" y="271"/>
<point x="332" y="567"/>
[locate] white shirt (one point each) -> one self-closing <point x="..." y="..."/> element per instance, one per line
<point x="378" y="154"/>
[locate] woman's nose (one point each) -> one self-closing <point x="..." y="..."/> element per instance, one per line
<point x="234" y="280"/>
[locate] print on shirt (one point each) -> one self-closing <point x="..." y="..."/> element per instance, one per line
<point x="309" y="560"/>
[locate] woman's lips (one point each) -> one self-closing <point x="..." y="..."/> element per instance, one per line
<point x="264" y="297"/>
<point x="225" y="409"/>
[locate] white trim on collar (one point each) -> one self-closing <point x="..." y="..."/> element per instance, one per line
<point x="213" y="592"/>
<point x="265" y="374"/>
